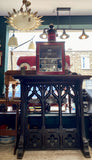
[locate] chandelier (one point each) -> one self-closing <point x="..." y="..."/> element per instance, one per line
<point x="24" y="19"/>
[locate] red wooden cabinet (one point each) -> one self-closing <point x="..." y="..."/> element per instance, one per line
<point x="50" y="58"/>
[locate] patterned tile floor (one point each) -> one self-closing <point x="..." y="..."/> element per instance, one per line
<point x="6" y="153"/>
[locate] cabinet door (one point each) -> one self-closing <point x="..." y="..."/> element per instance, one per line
<point x="50" y="58"/>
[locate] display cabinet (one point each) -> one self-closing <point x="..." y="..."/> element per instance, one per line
<point x="50" y="58"/>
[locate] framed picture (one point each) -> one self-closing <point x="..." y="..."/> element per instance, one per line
<point x="50" y="58"/>
<point x="0" y="58"/>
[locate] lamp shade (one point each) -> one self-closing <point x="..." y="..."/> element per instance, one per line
<point x="64" y="35"/>
<point x="31" y="45"/>
<point x="13" y="41"/>
<point x="83" y="36"/>
<point x="43" y="35"/>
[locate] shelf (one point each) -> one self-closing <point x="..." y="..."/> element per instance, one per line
<point x="50" y="58"/>
<point x="52" y="114"/>
<point x="49" y="64"/>
<point x="9" y="102"/>
<point x="13" y="112"/>
<point x="7" y="132"/>
<point x="34" y="115"/>
<point x="2" y="101"/>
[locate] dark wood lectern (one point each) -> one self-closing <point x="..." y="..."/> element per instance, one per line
<point x="43" y="87"/>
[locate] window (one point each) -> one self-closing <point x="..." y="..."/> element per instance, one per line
<point x="89" y="84"/>
<point x="89" y="87"/>
<point x="85" y="62"/>
<point x="71" y="44"/>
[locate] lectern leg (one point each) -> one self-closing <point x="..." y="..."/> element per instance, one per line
<point x="20" y="148"/>
<point x="85" y="148"/>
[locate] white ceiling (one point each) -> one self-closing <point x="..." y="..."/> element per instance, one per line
<point x="48" y="7"/>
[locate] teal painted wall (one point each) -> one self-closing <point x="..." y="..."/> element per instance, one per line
<point x="3" y="49"/>
<point x="79" y="22"/>
<point x="76" y="22"/>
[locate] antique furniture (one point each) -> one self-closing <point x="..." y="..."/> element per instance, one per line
<point x="13" y="114"/>
<point x="35" y="131"/>
<point x="50" y="58"/>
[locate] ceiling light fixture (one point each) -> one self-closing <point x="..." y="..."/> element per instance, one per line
<point x="31" y="45"/>
<point x="44" y="34"/>
<point x="13" y="41"/>
<point x="24" y="19"/>
<point x="51" y="33"/>
<point x="83" y="36"/>
<point x="64" y="35"/>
